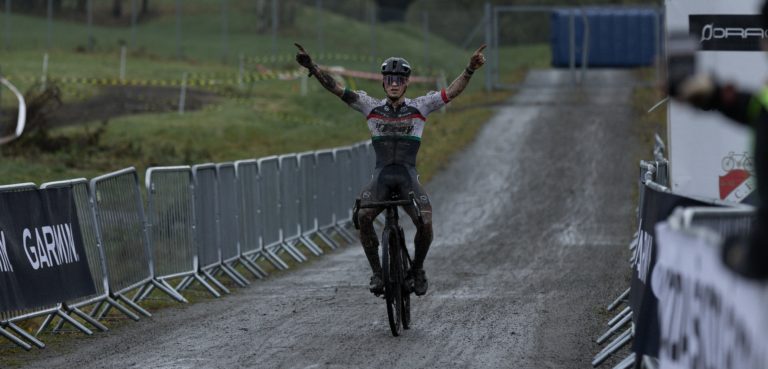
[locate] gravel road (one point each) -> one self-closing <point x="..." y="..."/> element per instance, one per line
<point x="531" y="226"/>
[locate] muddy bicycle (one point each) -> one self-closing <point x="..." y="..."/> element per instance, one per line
<point x="395" y="260"/>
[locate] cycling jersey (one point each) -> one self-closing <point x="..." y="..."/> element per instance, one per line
<point x="396" y="133"/>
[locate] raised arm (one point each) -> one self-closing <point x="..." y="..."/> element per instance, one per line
<point x="460" y="83"/>
<point x="325" y="79"/>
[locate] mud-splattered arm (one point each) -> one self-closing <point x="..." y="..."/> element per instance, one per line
<point x="460" y="83"/>
<point x="325" y="79"/>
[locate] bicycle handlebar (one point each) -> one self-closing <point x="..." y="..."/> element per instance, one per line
<point x="384" y="204"/>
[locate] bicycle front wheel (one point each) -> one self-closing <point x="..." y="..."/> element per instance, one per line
<point x="391" y="267"/>
<point x="405" y="261"/>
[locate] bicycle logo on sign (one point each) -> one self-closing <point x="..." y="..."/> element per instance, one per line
<point x="733" y="161"/>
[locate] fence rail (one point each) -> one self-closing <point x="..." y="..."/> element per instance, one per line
<point x="197" y="224"/>
<point x="724" y="219"/>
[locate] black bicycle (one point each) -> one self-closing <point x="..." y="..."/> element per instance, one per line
<point x="395" y="261"/>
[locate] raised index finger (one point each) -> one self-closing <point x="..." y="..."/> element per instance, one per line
<point x="300" y="48"/>
<point x="482" y="47"/>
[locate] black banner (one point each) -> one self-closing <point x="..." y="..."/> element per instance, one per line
<point x="657" y="207"/>
<point x="728" y="32"/>
<point x="42" y="256"/>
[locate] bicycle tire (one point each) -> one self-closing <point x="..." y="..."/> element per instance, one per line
<point x="389" y="267"/>
<point x="406" y="290"/>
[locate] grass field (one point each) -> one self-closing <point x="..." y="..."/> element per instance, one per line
<point x="266" y="118"/>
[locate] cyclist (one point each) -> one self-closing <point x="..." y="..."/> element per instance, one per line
<point x="396" y="124"/>
<point x="747" y="256"/>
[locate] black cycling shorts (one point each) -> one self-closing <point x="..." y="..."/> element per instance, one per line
<point x="394" y="180"/>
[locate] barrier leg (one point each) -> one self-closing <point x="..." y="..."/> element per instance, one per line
<point x="614" y="346"/>
<point x="184" y="284"/>
<point x="14" y="339"/>
<point x="252" y="267"/>
<point x="614" y="329"/>
<point x="311" y="245"/>
<point x="165" y="287"/>
<point x="295" y="254"/>
<point x="64" y="316"/>
<point x="97" y="307"/>
<point x="132" y="305"/>
<point x="620" y="316"/>
<point x="627" y="363"/>
<point x="24" y="334"/>
<point x="205" y="284"/>
<point x="143" y="292"/>
<point x="328" y="241"/>
<point x="275" y="260"/>
<point x="618" y="301"/>
<point x="44" y="325"/>
<point x="87" y="318"/>
<point x="234" y="275"/>
<point x="215" y="281"/>
<point x="344" y="233"/>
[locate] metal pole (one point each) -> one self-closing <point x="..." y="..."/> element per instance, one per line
<point x="425" y="22"/>
<point x="44" y="78"/>
<point x="50" y="24"/>
<point x="7" y="38"/>
<point x="372" y="15"/>
<point x="123" y="54"/>
<point x="495" y="66"/>
<point x="320" y="25"/>
<point x="274" y="27"/>
<point x="134" y="19"/>
<point x="91" y="40"/>
<point x="488" y="41"/>
<point x="224" y="30"/>
<point x="584" y="46"/>
<point x="572" y="43"/>
<point x="240" y="71"/>
<point x="657" y="42"/>
<point x="183" y="93"/>
<point x="179" y="50"/>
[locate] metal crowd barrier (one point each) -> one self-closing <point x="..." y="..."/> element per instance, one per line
<point x="343" y="196"/>
<point x="290" y="206"/>
<point x="94" y="254"/>
<point x="229" y="219"/>
<point x="121" y="231"/>
<point x="724" y="221"/>
<point x="650" y="171"/>
<point x="200" y="222"/>
<point x="325" y="169"/>
<point x="247" y="172"/>
<point x="171" y="223"/>
<point x="308" y="202"/>
<point x="269" y="170"/>
<point x="204" y="177"/>
<point x="7" y="319"/>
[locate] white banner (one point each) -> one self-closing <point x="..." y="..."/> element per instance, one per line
<point x="709" y="317"/>
<point x="709" y="155"/>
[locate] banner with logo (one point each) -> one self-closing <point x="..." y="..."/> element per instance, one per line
<point x="42" y="256"/>
<point x="709" y="317"/>
<point x="710" y="156"/>
<point x="656" y="207"/>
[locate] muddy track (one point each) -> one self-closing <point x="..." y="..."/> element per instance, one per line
<point x="531" y="224"/>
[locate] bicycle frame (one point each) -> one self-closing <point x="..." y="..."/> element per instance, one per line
<point x="396" y="292"/>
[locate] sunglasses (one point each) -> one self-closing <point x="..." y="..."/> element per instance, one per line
<point x="391" y="79"/>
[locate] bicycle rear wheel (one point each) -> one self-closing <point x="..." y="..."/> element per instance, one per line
<point x="390" y="266"/>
